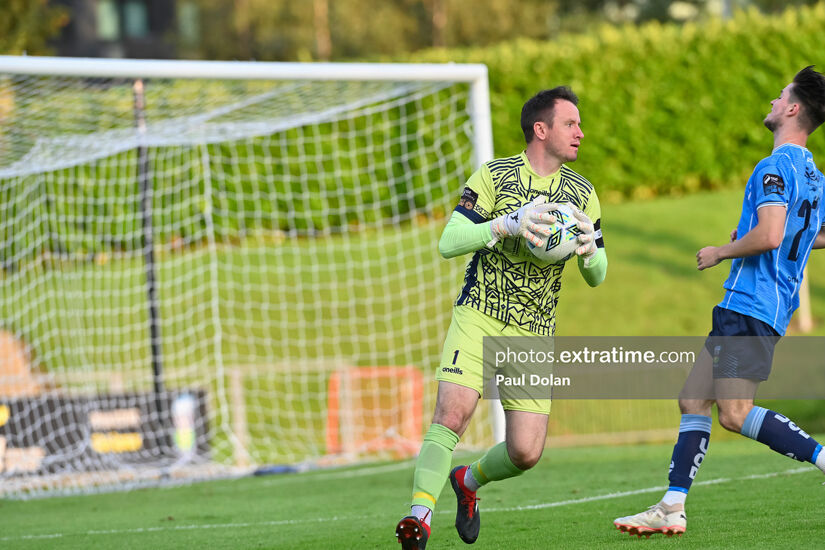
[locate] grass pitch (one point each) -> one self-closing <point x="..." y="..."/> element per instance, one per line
<point x="351" y="305"/>
<point x="745" y="496"/>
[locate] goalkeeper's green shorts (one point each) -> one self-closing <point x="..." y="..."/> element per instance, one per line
<point x="461" y="360"/>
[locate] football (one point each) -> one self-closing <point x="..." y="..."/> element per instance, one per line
<point x="562" y="243"/>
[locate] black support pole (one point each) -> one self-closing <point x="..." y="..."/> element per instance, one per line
<point x="148" y="241"/>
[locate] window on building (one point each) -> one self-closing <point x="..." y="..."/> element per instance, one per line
<point x="135" y="19"/>
<point x="108" y="20"/>
<point x="188" y="25"/>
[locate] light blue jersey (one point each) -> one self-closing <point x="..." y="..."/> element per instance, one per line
<point x="766" y="286"/>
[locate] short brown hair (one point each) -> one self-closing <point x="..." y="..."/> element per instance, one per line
<point x="540" y="108"/>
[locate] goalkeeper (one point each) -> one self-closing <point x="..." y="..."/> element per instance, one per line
<point x="507" y="292"/>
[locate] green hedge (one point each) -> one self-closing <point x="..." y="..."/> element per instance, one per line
<point x="665" y="108"/>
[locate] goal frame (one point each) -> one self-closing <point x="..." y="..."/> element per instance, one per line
<point x="474" y="74"/>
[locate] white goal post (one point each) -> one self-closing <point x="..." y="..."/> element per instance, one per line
<point x="208" y="267"/>
<point x="473" y="74"/>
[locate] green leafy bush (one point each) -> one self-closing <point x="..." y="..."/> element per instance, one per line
<point x="665" y="109"/>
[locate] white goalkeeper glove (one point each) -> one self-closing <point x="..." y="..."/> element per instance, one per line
<point x="587" y="237"/>
<point x="532" y="221"/>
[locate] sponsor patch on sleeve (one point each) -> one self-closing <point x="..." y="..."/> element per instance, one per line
<point x="468" y="199"/>
<point x="773" y="184"/>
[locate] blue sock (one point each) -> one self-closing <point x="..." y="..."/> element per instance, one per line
<point x="780" y="434"/>
<point x="689" y="451"/>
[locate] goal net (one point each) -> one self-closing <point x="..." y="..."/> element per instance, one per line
<point x="211" y="267"/>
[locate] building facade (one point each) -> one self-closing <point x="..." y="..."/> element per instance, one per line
<point x="119" y="28"/>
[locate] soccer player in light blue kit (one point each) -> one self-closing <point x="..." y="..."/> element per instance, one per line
<point x="782" y="217"/>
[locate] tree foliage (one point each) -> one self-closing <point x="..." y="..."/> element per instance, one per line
<point x="311" y="30"/>
<point x="27" y="25"/>
<point x="283" y="30"/>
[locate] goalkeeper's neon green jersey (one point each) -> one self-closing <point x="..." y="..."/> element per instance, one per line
<point x="506" y="281"/>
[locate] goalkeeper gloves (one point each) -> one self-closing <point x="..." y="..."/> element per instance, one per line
<point x="532" y="221"/>
<point x="587" y="237"/>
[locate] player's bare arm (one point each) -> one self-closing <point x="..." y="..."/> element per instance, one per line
<point x="767" y="235"/>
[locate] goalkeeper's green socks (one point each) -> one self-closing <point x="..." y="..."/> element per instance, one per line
<point x="432" y="469"/>
<point x="493" y="466"/>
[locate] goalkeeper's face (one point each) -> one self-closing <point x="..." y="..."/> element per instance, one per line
<point x="565" y="133"/>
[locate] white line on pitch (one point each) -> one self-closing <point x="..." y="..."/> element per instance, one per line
<point x="642" y="491"/>
<point x="341" y="475"/>
<point x="195" y="527"/>
<point x="540" y="506"/>
<point x="366" y="470"/>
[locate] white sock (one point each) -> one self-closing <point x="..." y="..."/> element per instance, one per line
<point x="820" y="461"/>
<point x="423" y="513"/>
<point x="674" y="497"/>
<point x="473" y="485"/>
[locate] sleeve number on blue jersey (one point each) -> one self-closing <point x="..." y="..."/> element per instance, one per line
<point x="804" y="212"/>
